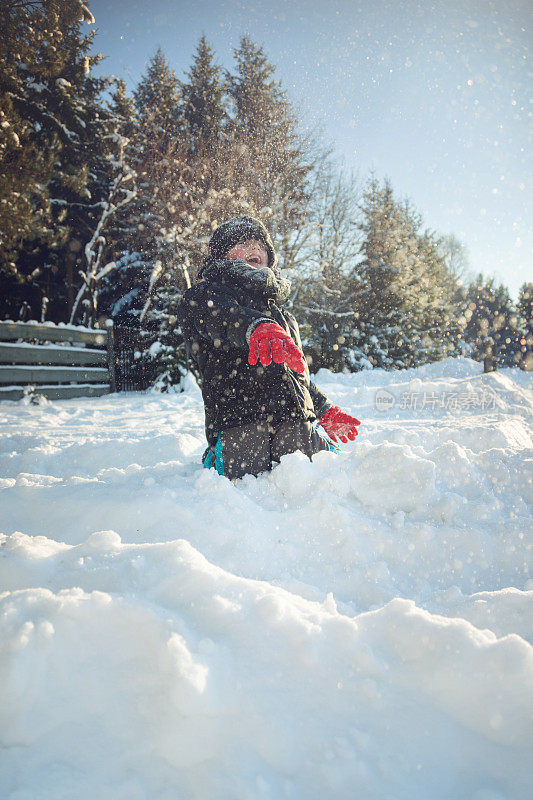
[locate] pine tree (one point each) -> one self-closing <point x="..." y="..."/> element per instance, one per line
<point x="431" y="290"/>
<point x="123" y="292"/>
<point x="202" y="102"/>
<point x="405" y="296"/>
<point x="205" y="196"/>
<point x="490" y="318"/>
<point x="264" y="154"/>
<point x="157" y="98"/>
<point x="386" y="249"/>
<point x="122" y="109"/>
<point x="163" y="195"/>
<point x="53" y="147"/>
<point x="160" y="157"/>
<point x="525" y="327"/>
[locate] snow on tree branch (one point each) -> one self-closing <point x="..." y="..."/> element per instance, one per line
<point x="119" y="196"/>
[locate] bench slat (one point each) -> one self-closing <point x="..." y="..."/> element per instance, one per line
<point x="56" y="392"/>
<point x="40" y="354"/>
<point x="10" y="331"/>
<point x="23" y="375"/>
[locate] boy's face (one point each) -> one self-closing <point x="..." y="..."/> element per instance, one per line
<point x="252" y="251"/>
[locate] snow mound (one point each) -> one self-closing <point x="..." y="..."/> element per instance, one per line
<point x="255" y="685"/>
<point x="358" y="626"/>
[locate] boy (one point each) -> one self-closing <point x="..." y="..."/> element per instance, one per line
<point x="259" y="400"/>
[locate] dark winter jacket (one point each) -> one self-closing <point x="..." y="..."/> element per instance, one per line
<point x="217" y="317"/>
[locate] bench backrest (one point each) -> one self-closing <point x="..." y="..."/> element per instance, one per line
<point x="57" y="361"/>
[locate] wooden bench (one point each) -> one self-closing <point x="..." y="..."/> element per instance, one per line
<point x="57" y="361"/>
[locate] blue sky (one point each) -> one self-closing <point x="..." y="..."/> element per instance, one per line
<point x="434" y="95"/>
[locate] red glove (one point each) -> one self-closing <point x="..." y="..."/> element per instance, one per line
<point x="269" y="342"/>
<point x="337" y="423"/>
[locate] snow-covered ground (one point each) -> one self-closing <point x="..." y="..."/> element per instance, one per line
<point x="355" y="627"/>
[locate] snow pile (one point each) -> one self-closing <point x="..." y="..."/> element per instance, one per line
<point x="360" y="626"/>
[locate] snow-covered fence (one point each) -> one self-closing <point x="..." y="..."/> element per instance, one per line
<point x="57" y="361"/>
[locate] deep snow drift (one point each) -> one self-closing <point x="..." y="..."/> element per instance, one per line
<point x="358" y="627"/>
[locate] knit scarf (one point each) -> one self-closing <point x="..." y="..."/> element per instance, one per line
<point x="264" y="282"/>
